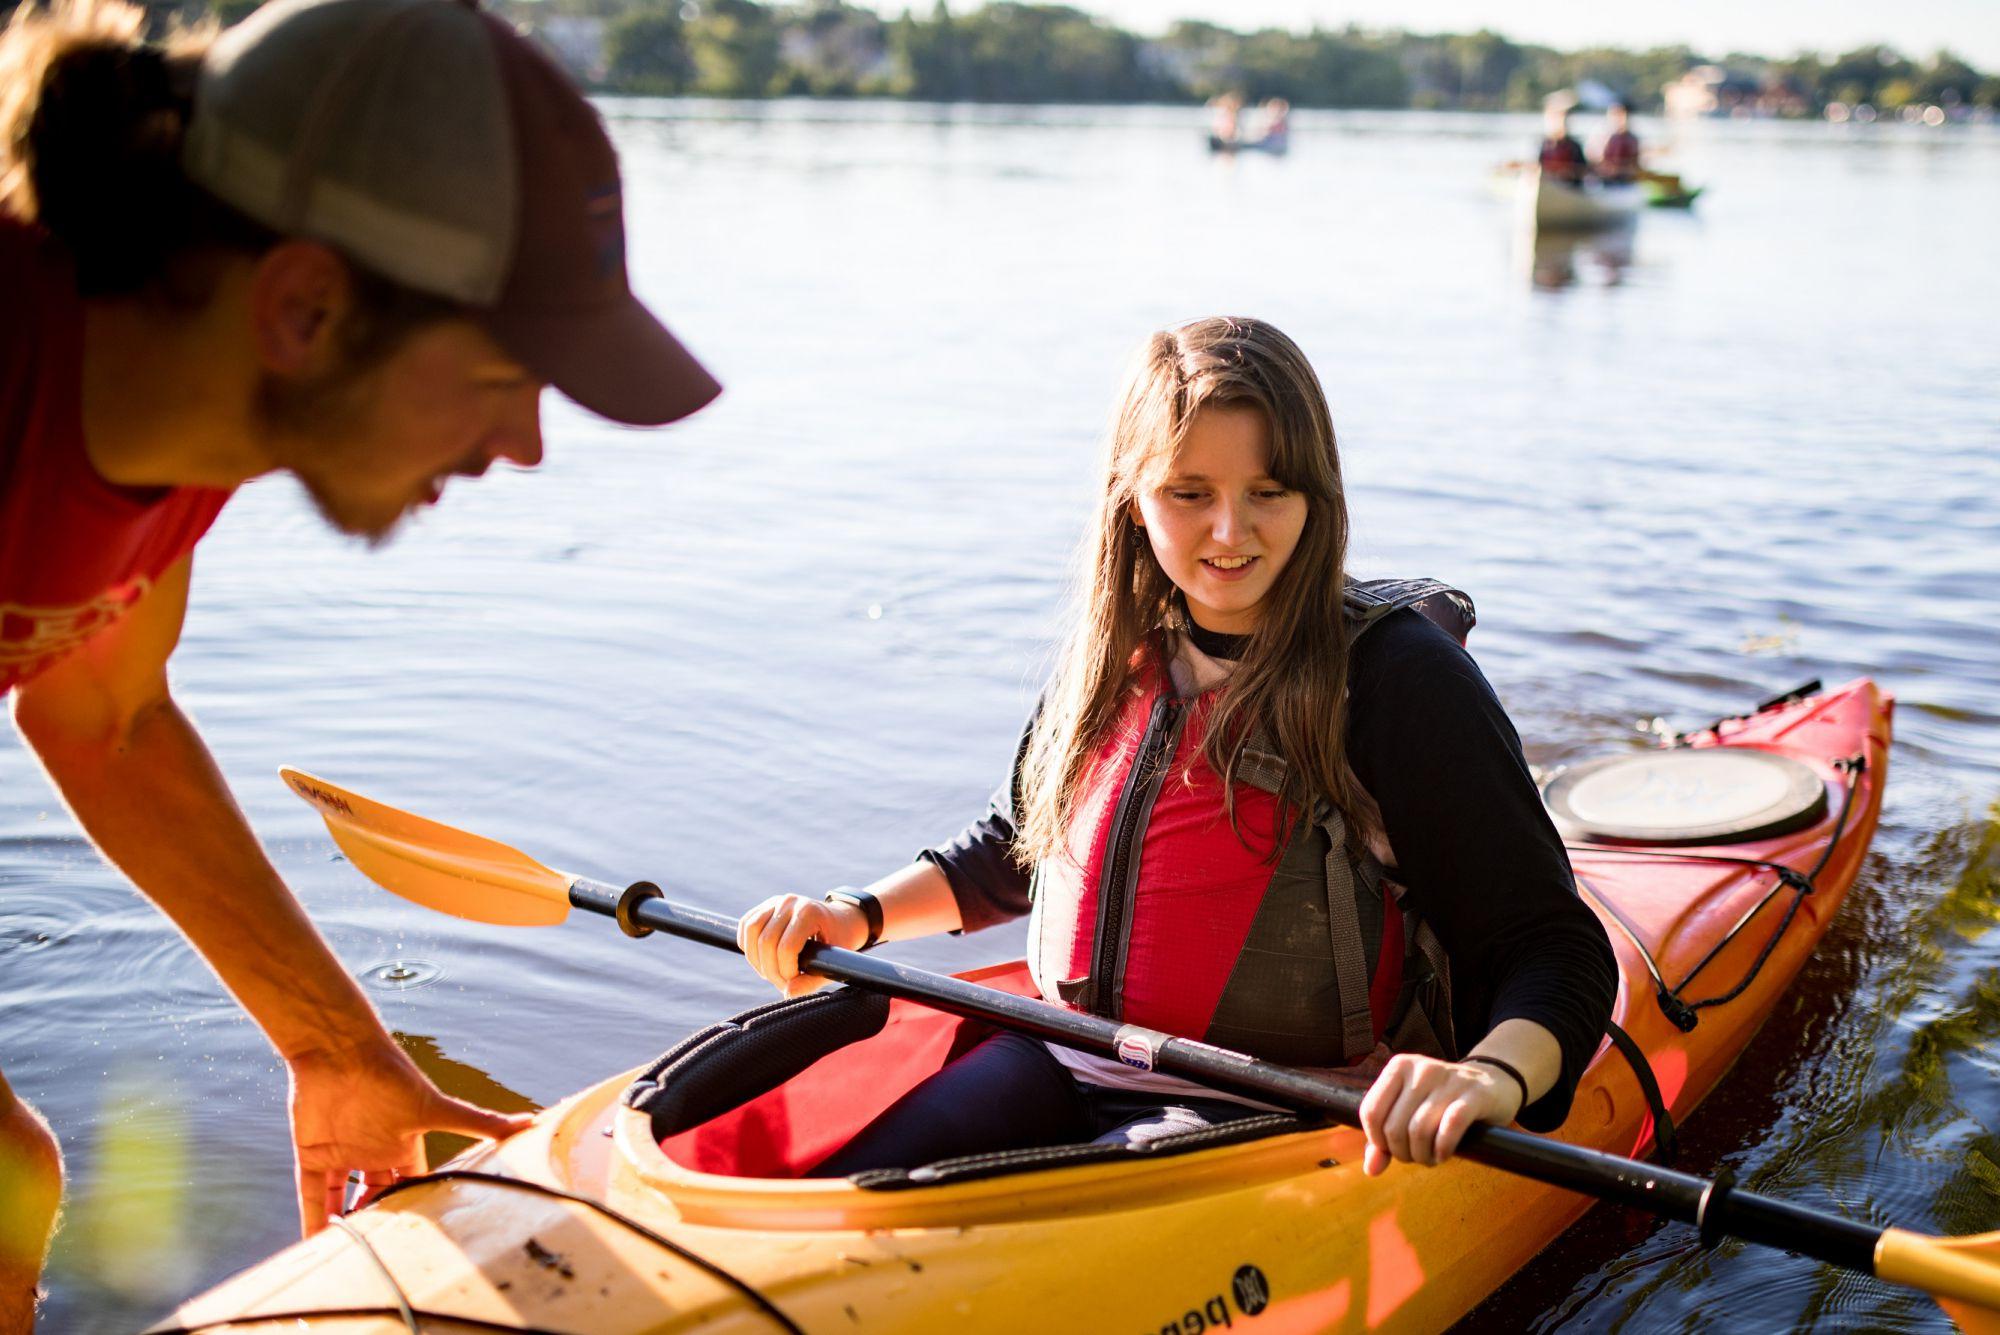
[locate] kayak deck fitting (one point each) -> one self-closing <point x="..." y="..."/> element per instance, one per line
<point x="667" y="1199"/>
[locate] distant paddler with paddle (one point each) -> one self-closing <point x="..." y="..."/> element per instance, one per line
<point x="348" y="239"/>
<point x="1560" y="155"/>
<point x="1618" y="151"/>
<point x="1618" y="162"/>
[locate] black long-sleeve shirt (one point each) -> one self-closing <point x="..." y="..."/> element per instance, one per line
<point x="1473" y="845"/>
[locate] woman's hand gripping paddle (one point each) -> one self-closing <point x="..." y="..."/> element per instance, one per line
<point x="473" y="877"/>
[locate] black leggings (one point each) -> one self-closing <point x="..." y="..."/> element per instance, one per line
<point x="1009" y="1093"/>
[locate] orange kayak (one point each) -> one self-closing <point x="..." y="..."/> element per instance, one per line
<point x="668" y="1199"/>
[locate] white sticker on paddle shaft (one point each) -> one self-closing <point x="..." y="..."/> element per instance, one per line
<point x="1140" y="1047"/>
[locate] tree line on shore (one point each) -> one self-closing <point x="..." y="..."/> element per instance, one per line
<point x="1004" y="51"/>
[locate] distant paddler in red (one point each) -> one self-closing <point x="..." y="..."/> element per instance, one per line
<point x="1618" y="151"/>
<point x="1560" y="156"/>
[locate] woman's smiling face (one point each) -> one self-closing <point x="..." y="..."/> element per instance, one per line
<point x="1219" y="524"/>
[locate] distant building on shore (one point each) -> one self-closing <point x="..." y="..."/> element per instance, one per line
<point x="1711" y="90"/>
<point x="837" y="51"/>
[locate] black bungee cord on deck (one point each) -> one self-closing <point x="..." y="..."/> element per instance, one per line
<point x="1684" y="1013"/>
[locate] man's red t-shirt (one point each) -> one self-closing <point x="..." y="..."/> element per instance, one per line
<point x="76" y="552"/>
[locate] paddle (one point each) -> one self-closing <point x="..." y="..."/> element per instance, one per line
<point x="478" y="878"/>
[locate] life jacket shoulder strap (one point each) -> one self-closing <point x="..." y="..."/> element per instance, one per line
<point x="1368" y="601"/>
<point x="1353" y="949"/>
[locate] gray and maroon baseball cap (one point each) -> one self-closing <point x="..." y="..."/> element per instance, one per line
<point x="434" y="145"/>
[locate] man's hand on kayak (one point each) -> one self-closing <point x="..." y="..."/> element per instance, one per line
<point x="367" y="1110"/>
<point x="772" y="934"/>
<point x="1419" y="1108"/>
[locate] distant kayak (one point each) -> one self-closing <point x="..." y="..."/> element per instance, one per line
<point x="672" y="1199"/>
<point x="1274" y="144"/>
<point x="1561" y="205"/>
<point x="1661" y="195"/>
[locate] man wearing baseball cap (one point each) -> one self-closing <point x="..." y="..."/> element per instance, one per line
<point x="348" y="239"/>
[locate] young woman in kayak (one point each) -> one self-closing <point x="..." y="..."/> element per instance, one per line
<point x="1237" y="817"/>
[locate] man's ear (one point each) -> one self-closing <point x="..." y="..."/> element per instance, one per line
<point x="300" y="292"/>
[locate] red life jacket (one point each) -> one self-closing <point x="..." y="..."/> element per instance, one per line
<point x="1564" y="157"/>
<point x="1158" y="915"/>
<point x="1619" y="157"/>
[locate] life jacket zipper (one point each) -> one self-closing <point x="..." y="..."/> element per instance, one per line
<point x="1116" y="889"/>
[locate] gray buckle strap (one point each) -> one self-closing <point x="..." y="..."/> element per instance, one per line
<point x="1371" y="905"/>
<point x="1260" y="765"/>
<point x="1357" y="1021"/>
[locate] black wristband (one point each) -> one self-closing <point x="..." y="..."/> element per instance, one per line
<point x="871" y="909"/>
<point x="1506" y="1068"/>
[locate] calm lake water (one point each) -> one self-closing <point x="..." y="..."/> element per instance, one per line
<point x="784" y="645"/>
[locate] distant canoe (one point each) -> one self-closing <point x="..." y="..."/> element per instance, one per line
<point x="1559" y="205"/>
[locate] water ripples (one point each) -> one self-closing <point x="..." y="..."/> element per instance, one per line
<point x="788" y="643"/>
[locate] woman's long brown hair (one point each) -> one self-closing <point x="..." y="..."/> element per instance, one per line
<point x="1292" y="681"/>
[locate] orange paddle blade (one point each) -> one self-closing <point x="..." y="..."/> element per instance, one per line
<point x="1963" y="1274"/>
<point x="455" y="872"/>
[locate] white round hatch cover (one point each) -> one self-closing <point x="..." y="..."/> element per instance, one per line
<point x="1702" y="795"/>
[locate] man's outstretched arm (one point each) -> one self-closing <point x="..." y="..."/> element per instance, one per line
<point x="142" y="784"/>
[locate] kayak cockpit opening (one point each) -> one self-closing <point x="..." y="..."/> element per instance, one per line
<point x="774" y="1091"/>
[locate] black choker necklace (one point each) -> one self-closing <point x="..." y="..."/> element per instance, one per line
<point x="1215" y="644"/>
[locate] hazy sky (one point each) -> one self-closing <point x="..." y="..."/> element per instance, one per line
<point x="1769" y="27"/>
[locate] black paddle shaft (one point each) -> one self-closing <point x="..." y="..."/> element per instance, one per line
<point x="1716" y="1207"/>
